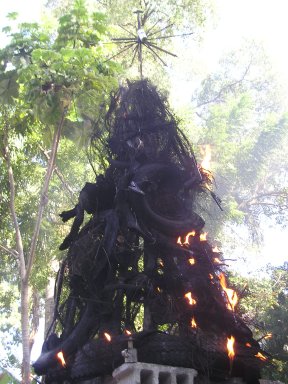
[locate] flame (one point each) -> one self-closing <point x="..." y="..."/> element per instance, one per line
<point x="215" y="249"/>
<point x="230" y="347"/>
<point x="190" y="234"/>
<point x="231" y="294"/>
<point x="190" y="299"/>
<point x="192" y="261"/>
<point x="179" y="241"/>
<point x="107" y="336"/>
<point x="248" y="345"/>
<point x="268" y="336"/>
<point x="158" y="289"/>
<point x="261" y="357"/>
<point x="128" y="333"/>
<point x="193" y="323"/>
<point x="161" y="263"/>
<point x="203" y="236"/>
<point x="217" y="260"/>
<point x="206" y="152"/>
<point x="60" y="357"/>
<point x="211" y="276"/>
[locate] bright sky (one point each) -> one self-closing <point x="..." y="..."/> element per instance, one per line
<point x="235" y="20"/>
<point x="263" y="20"/>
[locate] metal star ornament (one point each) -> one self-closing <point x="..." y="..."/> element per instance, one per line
<point x="144" y="39"/>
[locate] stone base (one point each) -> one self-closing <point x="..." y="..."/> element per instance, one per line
<point x="144" y="373"/>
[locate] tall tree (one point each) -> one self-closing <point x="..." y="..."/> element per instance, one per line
<point x="268" y="318"/>
<point x="240" y="114"/>
<point x="48" y="79"/>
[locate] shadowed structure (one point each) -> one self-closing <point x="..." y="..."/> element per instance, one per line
<point x="142" y="264"/>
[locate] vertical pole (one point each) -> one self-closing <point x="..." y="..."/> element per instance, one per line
<point x="140" y="59"/>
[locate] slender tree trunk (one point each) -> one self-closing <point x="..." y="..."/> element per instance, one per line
<point x="25" y="265"/>
<point x="35" y="318"/>
<point x="25" y="331"/>
<point x="49" y="297"/>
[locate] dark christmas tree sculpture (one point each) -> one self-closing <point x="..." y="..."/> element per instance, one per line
<point x="142" y="267"/>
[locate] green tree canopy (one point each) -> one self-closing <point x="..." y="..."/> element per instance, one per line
<point x="53" y="84"/>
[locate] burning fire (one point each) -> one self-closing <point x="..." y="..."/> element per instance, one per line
<point x="187" y="237"/>
<point x="206" y="152"/>
<point x="217" y="260"/>
<point x="230" y="347"/>
<point x="248" y="345"/>
<point x="190" y="234"/>
<point x="268" y="336"/>
<point x="215" y="249"/>
<point x="261" y="357"/>
<point x="107" y="336"/>
<point x="60" y="357"/>
<point x="192" y="261"/>
<point x="193" y="323"/>
<point x="203" y="236"/>
<point x="128" y="333"/>
<point x="231" y="294"/>
<point x="190" y="299"/>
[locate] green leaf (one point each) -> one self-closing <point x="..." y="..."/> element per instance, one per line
<point x="12" y="15"/>
<point x="6" y="29"/>
<point x="8" y="87"/>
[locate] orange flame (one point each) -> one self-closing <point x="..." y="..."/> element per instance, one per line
<point x="268" y="336"/>
<point x="217" y="260"/>
<point x="192" y="261"/>
<point x="179" y="241"/>
<point x="215" y="249"/>
<point x="231" y="294"/>
<point x="203" y="236"/>
<point x="190" y="234"/>
<point x="128" y="333"/>
<point x="161" y="263"/>
<point x="230" y="347"/>
<point x="193" y="323"/>
<point x="190" y="299"/>
<point x="107" y="336"/>
<point x="206" y="152"/>
<point x="211" y="276"/>
<point x="60" y="357"/>
<point x="261" y="357"/>
<point x="248" y="345"/>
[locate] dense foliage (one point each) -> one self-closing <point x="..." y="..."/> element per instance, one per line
<point x="265" y="304"/>
<point x="52" y="84"/>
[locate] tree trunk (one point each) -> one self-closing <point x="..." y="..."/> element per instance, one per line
<point x="25" y="331"/>
<point x="35" y="318"/>
<point x="25" y="266"/>
<point x="49" y="297"/>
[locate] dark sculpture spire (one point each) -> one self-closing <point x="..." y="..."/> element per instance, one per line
<point x="142" y="259"/>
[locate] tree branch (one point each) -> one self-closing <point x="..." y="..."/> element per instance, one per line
<point x="12" y="193"/>
<point x="11" y="251"/>
<point x="255" y="199"/>
<point x="225" y="88"/>
<point x="59" y="174"/>
<point x="44" y="198"/>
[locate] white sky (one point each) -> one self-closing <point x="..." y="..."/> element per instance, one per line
<point x="235" y="20"/>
